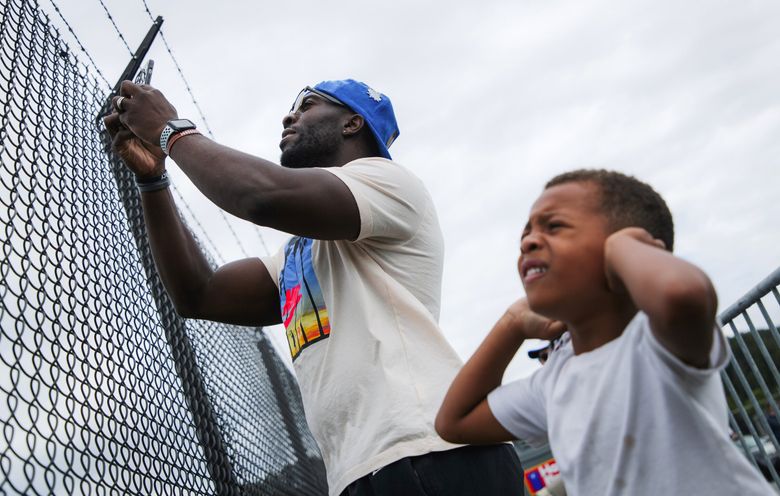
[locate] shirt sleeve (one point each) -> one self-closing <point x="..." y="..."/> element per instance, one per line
<point x="519" y="407"/>
<point x="390" y="199"/>
<point x="719" y="354"/>
<point x="274" y="264"/>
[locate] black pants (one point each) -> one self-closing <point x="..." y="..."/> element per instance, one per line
<point x="492" y="470"/>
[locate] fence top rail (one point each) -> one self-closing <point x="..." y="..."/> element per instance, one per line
<point x="761" y="289"/>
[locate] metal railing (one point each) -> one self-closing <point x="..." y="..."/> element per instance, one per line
<point x="752" y="380"/>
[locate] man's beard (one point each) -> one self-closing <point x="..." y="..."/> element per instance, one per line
<point x="311" y="148"/>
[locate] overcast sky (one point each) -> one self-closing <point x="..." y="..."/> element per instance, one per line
<point x="493" y="99"/>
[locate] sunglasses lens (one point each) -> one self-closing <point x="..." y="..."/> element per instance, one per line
<point x="299" y="99"/>
<point x="307" y="91"/>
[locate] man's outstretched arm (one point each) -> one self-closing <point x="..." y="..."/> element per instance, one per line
<point x="239" y="293"/>
<point x="308" y="202"/>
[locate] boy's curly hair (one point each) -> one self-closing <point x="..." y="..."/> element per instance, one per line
<point x="626" y="201"/>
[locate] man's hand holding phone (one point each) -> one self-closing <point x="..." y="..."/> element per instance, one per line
<point x="144" y="76"/>
<point x="143" y="158"/>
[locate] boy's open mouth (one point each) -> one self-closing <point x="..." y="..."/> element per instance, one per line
<point x="533" y="269"/>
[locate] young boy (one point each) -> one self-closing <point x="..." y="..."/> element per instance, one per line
<point x="631" y="400"/>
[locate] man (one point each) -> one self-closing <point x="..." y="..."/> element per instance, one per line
<point x="357" y="287"/>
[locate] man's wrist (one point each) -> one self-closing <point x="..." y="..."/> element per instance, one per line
<point x="172" y="127"/>
<point x="147" y="184"/>
<point x="176" y="136"/>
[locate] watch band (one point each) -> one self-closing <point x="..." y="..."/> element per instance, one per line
<point x="171" y="128"/>
<point x="146" y="185"/>
<point x="166" y="134"/>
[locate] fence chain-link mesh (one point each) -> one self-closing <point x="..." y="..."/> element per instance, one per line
<point x="103" y="388"/>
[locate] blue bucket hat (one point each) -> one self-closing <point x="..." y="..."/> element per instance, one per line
<point x="376" y="108"/>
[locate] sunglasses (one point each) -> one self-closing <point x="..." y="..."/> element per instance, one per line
<point x="308" y="91"/>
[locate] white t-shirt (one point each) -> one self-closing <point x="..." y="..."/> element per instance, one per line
<point x="361" y="321"/>
<point x="629" y="418"/>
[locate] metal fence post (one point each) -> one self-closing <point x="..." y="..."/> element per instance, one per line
<point x="186" y="364"/>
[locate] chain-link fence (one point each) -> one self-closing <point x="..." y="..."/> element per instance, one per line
<point x="103" y="388"/>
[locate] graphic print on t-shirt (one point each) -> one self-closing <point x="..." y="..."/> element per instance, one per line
<point x="304" y="314"/>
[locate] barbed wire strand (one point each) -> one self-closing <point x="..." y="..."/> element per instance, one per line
<point x="181" y="73"/>
<point x="219" y="258"/>
<point x="116" y="28"/>
<point x="208" y="129"/>
<point x="78" y="41"/>
<point x="176" y="191"/>
<point x="262" y="240"/>
<point x="211" y="134"/>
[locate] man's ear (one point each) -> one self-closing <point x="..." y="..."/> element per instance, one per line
<point x="353" y="125"/>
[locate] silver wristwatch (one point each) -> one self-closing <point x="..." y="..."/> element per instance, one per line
<point x="172" y="127"/>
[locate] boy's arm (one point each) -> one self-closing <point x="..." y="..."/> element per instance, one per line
<point x="464" y="416"/>
<point x="677" y="297"/>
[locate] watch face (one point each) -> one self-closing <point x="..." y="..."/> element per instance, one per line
<point x="181" y="124"/>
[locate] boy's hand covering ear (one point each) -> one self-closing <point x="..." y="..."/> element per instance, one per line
<point x="531" y="325"/>
<point x="640" y="234"/>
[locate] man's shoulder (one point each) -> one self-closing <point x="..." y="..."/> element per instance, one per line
<point x="371" y="161"/>
<point x="392" y="179"/>
<point x="375" y="166"/>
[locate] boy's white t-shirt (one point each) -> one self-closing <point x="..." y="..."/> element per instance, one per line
<point x="630" y="418"/>
<point x="361" y="322"/>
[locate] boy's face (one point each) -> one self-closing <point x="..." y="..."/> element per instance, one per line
<point x="562" y="252"/>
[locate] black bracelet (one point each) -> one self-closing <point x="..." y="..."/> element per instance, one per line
<point x="157" y="183"/>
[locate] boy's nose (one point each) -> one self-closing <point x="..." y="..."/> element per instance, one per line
<point x="529" y="243"/>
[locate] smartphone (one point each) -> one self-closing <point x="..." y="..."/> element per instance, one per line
<point x="144" y="76"/>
